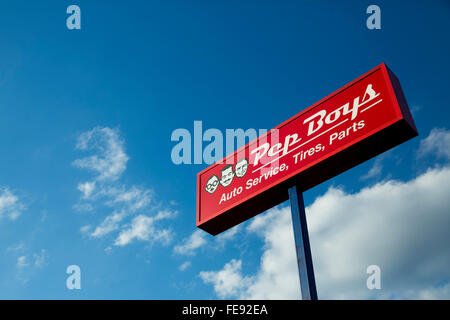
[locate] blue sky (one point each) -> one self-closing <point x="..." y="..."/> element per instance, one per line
<point x="136" y="71"/>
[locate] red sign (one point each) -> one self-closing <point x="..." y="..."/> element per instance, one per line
<point x="363" y="119"/>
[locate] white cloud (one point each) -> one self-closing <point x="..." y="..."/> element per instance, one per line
<point x="435" y="293"/>
<point x="166" y="214"/>
<point x="134" y="198"/>
<point x="22" y="262"/>
<point x="229" y="234"/>
<point x="189" y="245"/>
<point x="16" y="248"/>
<point x="375" y="171"/>
<point x="275" y="280"/>
<point x="83" y="207"/>
<point x="198" y="239"/>
<point x="143" y="228"/>
<point x="437" y="142"/>
<point x="108" y="225"/>
<point x="277" y="277"/>
<point x="40" y="258"/>
<point x="109" y="163"/>
<point x="10" y="205"/>
<point x="27" y="265"/>
<point x="111" y="160"/>
<point x="400" y="226"/>
<point x="184" y="266"/>
<point x="227" y="282"/>
<point x="86" y="188"/>
<point x="415" y="109"/>
<point x="125" y="202"/>
<point x="128" y="203"/>
<point x="85" y="229"/>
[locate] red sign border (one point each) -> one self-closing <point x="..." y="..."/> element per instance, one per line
<point x="401" y="110"/>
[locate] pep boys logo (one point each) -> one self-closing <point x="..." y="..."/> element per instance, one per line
<point x="267" y="153"/>
<point x="227" y="175"/>
<point x="264" y="153"/>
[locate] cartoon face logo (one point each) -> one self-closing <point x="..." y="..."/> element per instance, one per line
<point x="241" y="167"/>
<point x="212" y="184"/>
<point x="227" y="175"/>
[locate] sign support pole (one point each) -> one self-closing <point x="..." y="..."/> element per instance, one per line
<point x="302" y="247"/>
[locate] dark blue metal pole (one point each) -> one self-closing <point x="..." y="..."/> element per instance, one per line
<point x="304" y="258"/>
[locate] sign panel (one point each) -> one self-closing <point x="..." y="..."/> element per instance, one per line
<point x="359" y="121"/>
